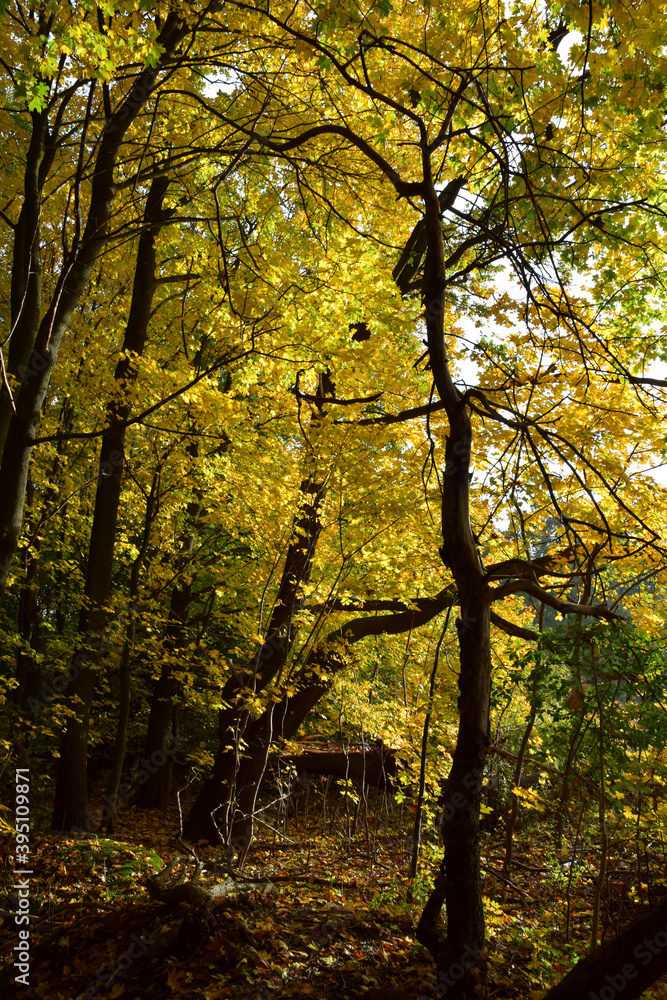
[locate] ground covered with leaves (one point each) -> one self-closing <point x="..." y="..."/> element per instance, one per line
<point x="313" y="913"/>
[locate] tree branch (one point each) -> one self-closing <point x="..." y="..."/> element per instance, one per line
<point x="564" y="607"/>
<point x="543" y="566"/>
<point x="395" y="418"/>
<point x="511" y="629"/>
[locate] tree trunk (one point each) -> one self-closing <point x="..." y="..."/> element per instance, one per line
<point x="44" y="342"/>
<point x="114" y="800"/>
<point x="159" y="748"/>
<point x="28" y="672"/>
<point x="459" y="962"/>
<point x="160" y="736"/>
<point x="460" y="959"/>
<point x="376" y="767"/>
<point x="71" y="799"/>
<point x="623" y="968"/>
<point x="235" y="780"/>
<point x="219" y="790"/>
<point x="26" y="278"/>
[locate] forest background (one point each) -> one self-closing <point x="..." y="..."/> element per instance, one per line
<point x="329" y="421"/>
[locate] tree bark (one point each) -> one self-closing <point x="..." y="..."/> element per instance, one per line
<point x="460" y="958"/>
<point x="282" y="719"/>
<point x="623" y="968"/>
<point x="220" y="788"/>
<point x="26" y="278"/>
<point x="70" y="286"/>
<point x="71" y="798"/>
<point x="114" y="800"/>
<point x="375" y="767"/>
<point x="160" y="736"/>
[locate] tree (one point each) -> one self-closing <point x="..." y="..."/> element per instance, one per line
<point x="71" y="802"/>
<point x="37" y="327"/>
<point x="489" y="106"/>
<point x="402" y="170"/>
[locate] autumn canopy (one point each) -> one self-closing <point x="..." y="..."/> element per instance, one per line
<point x="332" y="408"/>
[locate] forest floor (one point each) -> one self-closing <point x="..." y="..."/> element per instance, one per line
<point x="317" y="913"/>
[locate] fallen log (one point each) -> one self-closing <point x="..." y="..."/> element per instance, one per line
<point x="376" y="767"/>
<point x="624" y="967"/>
<point x="180" y="891"/>
<point x="188" y="890"/>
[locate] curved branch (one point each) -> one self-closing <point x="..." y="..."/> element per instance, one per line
<point x="564" y="607"/>
<point x="511" y="629"/>
<point x="403" y="188"/>
<point x="424" y="610"/>
<point x="310" y="398"/>
<point x="396" y="418"/>
<point x="543" y="566"/>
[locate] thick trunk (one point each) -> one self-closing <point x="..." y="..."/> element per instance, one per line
<point x="202" y="821"/>
<point x="26" y="279"/>
<point x="224" y="808"/>
<point x="71" y="808"/>
<point x="71" y="799"/>
<point x="217" y="795"/>
<point x="70" y="286"/>
<point x="154" y="792"/>
<point x="279" y="721"/>
<point x="459" y="963"/>
<point x="375" y="767"/>
<point x="623" y="968"/>
<point x="211" y="815"/>
<point x="219" y="789"/>
<point x="160" y="736"/>
<point x="231" y="790"/>
<point x="28" y="672"/>
<point x="114" y="800"/>
<point x="460" y="958"/>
